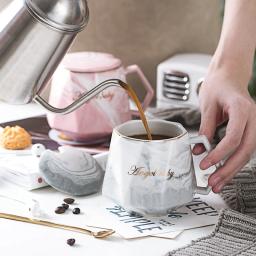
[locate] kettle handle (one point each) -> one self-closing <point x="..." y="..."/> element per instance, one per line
<point x="80" y="101"/>
<point x="146" y="84"/>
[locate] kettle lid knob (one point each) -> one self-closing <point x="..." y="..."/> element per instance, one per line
<point x="63" y="15"/>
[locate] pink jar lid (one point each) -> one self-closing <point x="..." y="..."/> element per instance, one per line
<point x="90" y="62"/>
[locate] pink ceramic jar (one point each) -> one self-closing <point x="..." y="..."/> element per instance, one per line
<point x="80" y="72"/>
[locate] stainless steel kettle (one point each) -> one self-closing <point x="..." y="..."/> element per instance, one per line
<point x="34" y="37"/>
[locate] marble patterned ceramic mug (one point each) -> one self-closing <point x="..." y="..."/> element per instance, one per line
<point x="152" y="177"/>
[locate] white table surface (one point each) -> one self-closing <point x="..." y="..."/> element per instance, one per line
<point x="18" y="238"/>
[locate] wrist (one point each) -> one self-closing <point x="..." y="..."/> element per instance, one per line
<point x="233" y="67"/>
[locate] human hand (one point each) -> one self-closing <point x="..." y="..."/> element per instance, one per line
<point x="224" y="97"/>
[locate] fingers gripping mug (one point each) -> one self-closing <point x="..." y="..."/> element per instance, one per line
<point x="152" y="177"/>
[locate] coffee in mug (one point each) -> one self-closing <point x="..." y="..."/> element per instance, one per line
<point x="153" y="137"/>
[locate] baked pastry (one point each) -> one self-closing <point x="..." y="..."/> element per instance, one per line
<point x="15" y="137"/>
<point x="64" y="136"/>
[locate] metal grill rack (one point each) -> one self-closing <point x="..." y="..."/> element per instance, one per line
<point x="176" y="86"/>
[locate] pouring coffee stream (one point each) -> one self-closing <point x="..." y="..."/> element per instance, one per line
<point x="134" y="97"/>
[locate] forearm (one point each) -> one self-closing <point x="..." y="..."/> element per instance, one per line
<point x="237" y="44"/>
<point x="224" y="95"/>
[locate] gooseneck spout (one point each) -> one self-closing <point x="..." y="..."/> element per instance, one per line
<point x="79" y="102"/>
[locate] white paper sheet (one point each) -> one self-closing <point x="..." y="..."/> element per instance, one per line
<point x="170" y="235"/>
<point x="198" y="213"/>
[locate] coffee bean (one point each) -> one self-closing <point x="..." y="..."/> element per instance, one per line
<point x="71" y="241"/>
<point x="66" y="206"/>
<point x="60" y="210"/>
<point x="69" y="200"/>
<point x="76" y="211"/>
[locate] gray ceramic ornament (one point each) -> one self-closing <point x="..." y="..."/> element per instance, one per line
<point x="71" y="171"/>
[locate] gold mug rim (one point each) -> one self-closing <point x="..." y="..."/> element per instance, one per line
<point x="116" y="130"/>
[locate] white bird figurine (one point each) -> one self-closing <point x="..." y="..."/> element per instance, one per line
<point x="37" y="149"/>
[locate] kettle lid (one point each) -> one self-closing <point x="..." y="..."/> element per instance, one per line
<point x="63" y="15"/>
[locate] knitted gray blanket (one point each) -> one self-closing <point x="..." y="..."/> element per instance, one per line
<point x="235" y="232"/>
<point x="240" y="193"/>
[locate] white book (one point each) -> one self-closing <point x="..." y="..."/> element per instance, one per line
<point x="22" y="170"/>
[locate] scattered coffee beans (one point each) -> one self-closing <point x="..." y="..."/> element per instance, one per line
<point x="60" y="210"/>
<point x="66" y="206"/>
<point x="71" y="241"/>
<point x="69" y="200"/>
<point x="76" y="211"/>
